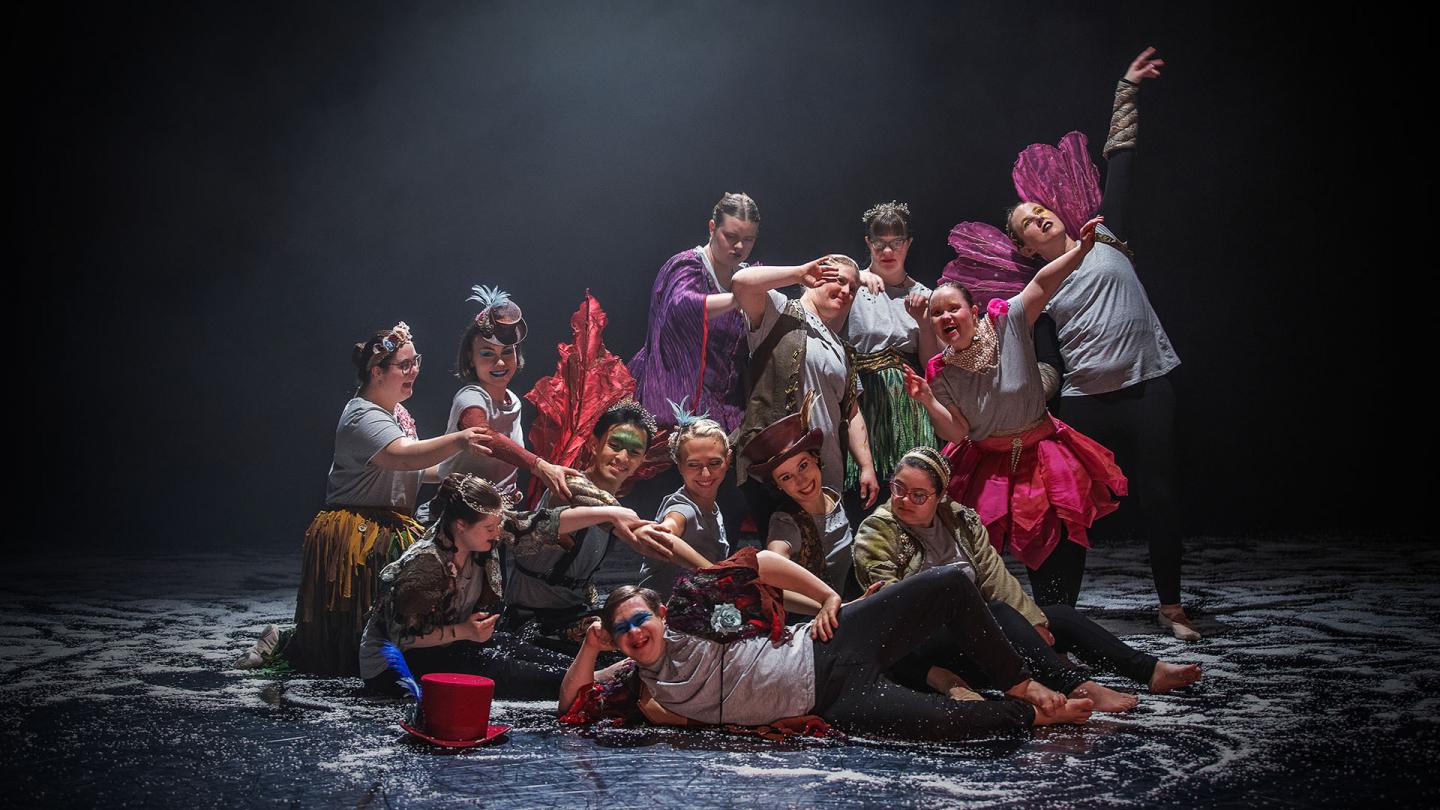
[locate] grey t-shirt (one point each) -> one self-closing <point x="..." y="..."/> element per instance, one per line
<point x="835" y="540"/>
<point x="824" y="373"/>
<point x="704" y="531"/>
<point x="1008" y="397"/>
<point x="878" y="322"/>
<point x="1109" y="334"/>
<point x="364" y="430"/>
<point x="938" y="547"/>
<point x="504" y="420"/>
<point x="761" y="682"/>
<point x="523" y="590"/>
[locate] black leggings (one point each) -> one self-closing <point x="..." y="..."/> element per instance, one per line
<point x="521" y="671"/>
<point x="1137" y="424"/>
<point x="1073" y="633"/>
<point x="1057" y="581"/>
<point x="851" y="689"/>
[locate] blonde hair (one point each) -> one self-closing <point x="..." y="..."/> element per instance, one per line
<point x="697" y="429"/>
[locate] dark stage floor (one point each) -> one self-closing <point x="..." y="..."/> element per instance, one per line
<point x="1320" y="688"/>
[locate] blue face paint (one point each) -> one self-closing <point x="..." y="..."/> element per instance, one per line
<point x="636" y="619"/>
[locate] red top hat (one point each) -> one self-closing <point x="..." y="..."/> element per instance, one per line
<point x="781" y="440"/>
<point x="456" y="710"/>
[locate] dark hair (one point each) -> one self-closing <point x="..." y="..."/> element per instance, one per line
<point x="620" y="595"/>
<point x="459" y="494"/>
<point x="1010" y="228"/>
<point x="916" y="464"/>
<point x="888" y="219"/>
<point x="362" y="352"/>
<point x="955" y="285"/>
<point x="736" y="204"/>
<point x="626" y="413"/>
<point x="779" y="495"/>
<point x="464" y="368"/>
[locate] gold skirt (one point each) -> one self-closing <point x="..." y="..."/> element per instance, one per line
<point x="345" y="550"/>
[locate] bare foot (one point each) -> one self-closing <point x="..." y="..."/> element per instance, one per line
<point x="1074" y="710"/>
<point x="1037" y="694"/>
<point x="1105" y="698"/>
<point x="1168" y="676"/>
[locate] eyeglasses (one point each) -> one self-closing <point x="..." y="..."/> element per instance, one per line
<point x="635" y="621"/>
<point x="405" y="366"/>
<point x="904" y="493"/>
<point x="879" y="245"/>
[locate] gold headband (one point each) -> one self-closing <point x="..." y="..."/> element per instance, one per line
<point x="941" y="471"/>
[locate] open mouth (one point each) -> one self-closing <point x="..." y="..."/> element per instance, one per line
<point x="498" y="374"/>
<point x="1046" y="225"/>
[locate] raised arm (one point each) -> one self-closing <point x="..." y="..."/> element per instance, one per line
<point x="1120" y="142"/>
<point x="751" y="285"/>
<point x="1037" y="293"/>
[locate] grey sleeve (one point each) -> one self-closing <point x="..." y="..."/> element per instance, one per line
<point x="372" y="430"/>
<point x="774" y="304"/>
<point x="782" y="527"/>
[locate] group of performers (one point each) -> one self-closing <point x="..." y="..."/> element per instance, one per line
<point x="869" y="382"/>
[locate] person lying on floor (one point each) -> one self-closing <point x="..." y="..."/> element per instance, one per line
<point x="833" y="666"/>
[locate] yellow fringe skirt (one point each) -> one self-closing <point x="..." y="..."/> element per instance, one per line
<point x="345" y="550"/>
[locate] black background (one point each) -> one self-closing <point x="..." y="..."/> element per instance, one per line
<point x="215" y="200"/>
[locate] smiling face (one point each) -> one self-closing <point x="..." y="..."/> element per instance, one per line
<point x="617" y="455"/>
<point x="703" y="462"/>
<point x="954" y="318"/>
<point x="914" y="482"/>
<point x="479" y="536"/>
<point x="1037" y="228"/>
<point x="799" y="477"/>
<point x="644" y="643"/>
<point x="494" y="365"/>
<point x="832" y="299"/>
<point x="389" y="380"/>
<point x="731" y="240"/>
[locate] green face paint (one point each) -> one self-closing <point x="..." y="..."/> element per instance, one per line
<point x="626" y="437"/>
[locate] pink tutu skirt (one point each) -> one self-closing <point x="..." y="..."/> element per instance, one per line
<point x="1026" y="485"/>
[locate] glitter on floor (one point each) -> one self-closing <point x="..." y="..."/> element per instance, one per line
<point x="1320" y="687"/>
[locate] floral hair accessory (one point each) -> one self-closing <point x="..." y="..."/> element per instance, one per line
<point x="998" y="307"/>
<point x="398" y="336"/>
<point x="891" y="207"/>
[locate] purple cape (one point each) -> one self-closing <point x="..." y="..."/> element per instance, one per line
<point x="679" y="343"/>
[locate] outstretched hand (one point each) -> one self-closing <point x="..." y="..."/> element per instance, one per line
<point x="1144" y="67"/>
<point x="1087" y="235"/>
<point x="915" y="386"/>
<point x="648" y="538"/>
<point x="553" y="477"/>
<point x="476" y="440"/>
